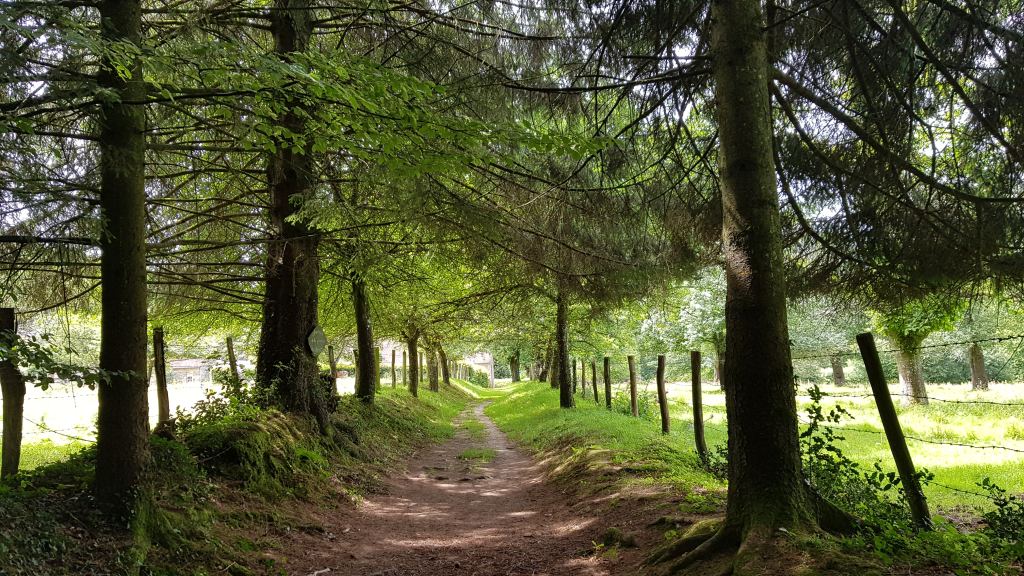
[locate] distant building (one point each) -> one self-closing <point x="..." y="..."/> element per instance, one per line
<point x="190" y="371"/>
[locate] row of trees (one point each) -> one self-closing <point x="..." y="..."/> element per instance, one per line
<point x="415" y="171"/>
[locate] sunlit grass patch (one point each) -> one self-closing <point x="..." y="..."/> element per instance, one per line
<point x="474" y="427"/>
<point x="481" y="455"/>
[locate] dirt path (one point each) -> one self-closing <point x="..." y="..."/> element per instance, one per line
<point x="449" y="516"/>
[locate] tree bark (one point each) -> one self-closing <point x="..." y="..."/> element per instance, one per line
<point x="662" y="395"/>
<point x="445" y="376"/>
<point x="838" y="374"/>
<point x="122" y="439"/>
<point x="163" y="400"/>
<point x="593" y="380"/>
<point x="284" y="363"/>
<point x="634" y="409"/>
<point x="412" y="341"/>
<point x="563" y="381"/>
<point x="394" y="371"/>
<point x="432" y="376"/>
<point x="545" y="368"/>
<point x="553" y="367"/>
<point x="365" y="365"/>
<point x="908" y="364"/>
<point x="979" y="376"/>
<point x="12" y="383"/>
<point x="405" y="369"/>
<point x="514" y="366"/>
<point x="766" y="489"/>
<point x="575" y="378"/>
<point x="608" y="382"/>
<point x="236" y="378"/>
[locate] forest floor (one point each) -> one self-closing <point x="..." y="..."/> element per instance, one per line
<point x="474" y="505"/>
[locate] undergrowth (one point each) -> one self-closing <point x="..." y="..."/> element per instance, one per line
<point x="877" y="498"/>
<point x="218" y="472"/>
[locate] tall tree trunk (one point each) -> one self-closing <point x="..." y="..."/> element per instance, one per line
<point x="979" y="376"/>
<point x="163" y="399"/>
<point x="545" y="369"/>
<point x="908" y="364"/>
<point x="236" y="379"/>
<point x="12" y="383"/>
<point x="766" y="489"/>
<point x="405" y="369"/>
<point x="394" y="370"/>
<point x="575" y="379"/>
<point x="838" y="375"/>
<point x="122" y="427"/>
<point x="514" y="366"/>
<point x="366" y="376"/>
<point x="565" y="385"/>
<point x="412" y="341"/>
<point x="284" y="362"/>
<point x="445" y="375"/>
<point x="553" y="366"/>
<point x="432" y="376"/>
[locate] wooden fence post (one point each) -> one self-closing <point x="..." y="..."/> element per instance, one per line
<point x="160" y="367"/>
<point x="608" y="382"/>
<point x="698" y="407"/>
<point x="12" y="382"/>
<point x="662" y="395"/>
<point x="633" y="408"/>
<point x="593" y="380"/>
<point x="893" y="431"/>
<point x="236" y="378"/>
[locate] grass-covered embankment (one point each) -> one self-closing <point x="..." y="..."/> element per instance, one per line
<point x="223" y="484"/>
<point x="530" y="415"/>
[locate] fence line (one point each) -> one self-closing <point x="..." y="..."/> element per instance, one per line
<point x="930" y="398"/>
<point x="847" y="352"/>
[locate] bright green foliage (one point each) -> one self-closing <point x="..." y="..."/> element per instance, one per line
<point x="907" y="324"/>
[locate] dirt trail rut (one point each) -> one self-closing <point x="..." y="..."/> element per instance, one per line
<point x="448" y="516"/>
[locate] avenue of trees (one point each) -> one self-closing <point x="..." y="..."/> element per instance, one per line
<point x="516" y="177"/>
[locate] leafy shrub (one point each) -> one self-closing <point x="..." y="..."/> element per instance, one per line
<point x="646" y="404"/>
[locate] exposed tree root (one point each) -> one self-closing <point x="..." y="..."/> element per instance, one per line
<point x="724" y="538"/>
<point x="755" y="550"/>
<point x="694" y="537"/>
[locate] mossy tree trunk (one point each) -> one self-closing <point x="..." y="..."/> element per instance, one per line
<point x="122" y="426"/>
<point x="284" y="362"/>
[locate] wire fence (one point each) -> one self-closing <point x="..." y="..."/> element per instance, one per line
<point x="1011" y="409"/>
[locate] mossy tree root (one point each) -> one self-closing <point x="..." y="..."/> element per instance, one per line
<point x="725" y="538"/>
